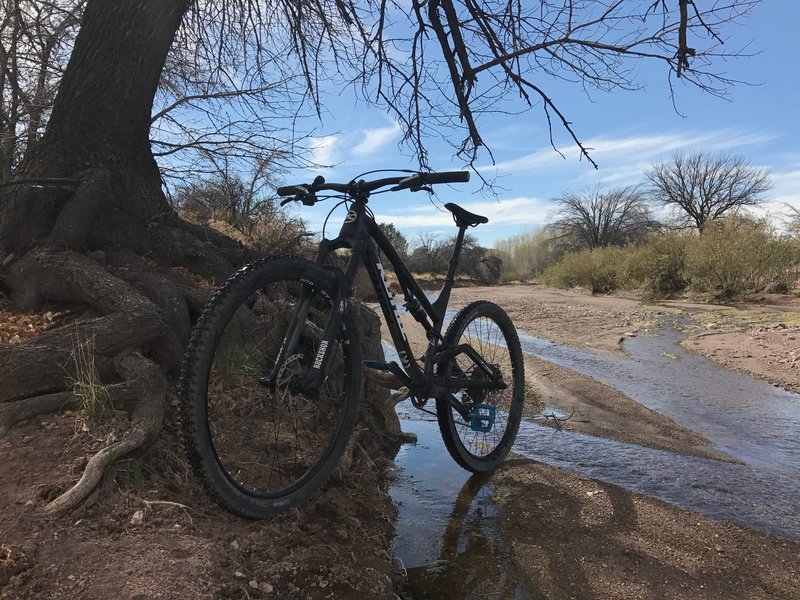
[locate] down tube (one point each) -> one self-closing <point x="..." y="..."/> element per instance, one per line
<point x="374" y="267"/>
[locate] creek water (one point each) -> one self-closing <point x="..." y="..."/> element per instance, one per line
<point x="445" y="535"/>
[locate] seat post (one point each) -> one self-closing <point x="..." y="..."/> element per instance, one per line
<point x="451" y="268"/>
<point x="440" y="305"/>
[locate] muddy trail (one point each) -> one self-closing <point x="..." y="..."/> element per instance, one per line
<point x="450" y="527"/>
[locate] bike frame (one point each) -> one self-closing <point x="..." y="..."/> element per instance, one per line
<point x="362" y="235"/>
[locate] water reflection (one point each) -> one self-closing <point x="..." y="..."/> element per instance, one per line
<point x="446" y="540"/>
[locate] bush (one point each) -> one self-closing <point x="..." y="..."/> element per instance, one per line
<point x="737" y="254"/>
<point x="488" y="269"/>
<point x="657" y="266"/>
<point x="600" y="270"/>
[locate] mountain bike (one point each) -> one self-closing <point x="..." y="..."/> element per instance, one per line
<point x="272" y="376"/>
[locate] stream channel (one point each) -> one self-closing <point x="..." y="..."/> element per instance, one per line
<point x="446" y="541"/>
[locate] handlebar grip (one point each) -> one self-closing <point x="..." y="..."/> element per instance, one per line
<point x="446" y="177"/>
<point x="289" y="190"/>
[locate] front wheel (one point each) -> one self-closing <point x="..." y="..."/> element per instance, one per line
<point x="480" y="436"/>
<point x="258" y="435"/>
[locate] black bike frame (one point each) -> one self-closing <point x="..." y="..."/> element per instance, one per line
<point x="361" y="234"/>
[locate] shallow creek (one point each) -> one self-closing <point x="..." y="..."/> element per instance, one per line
<point x="445" y="535"/>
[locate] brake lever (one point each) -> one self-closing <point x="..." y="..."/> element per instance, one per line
<point x="409" y="182"/>
<point x="286" y="201"/>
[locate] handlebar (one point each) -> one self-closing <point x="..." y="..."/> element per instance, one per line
<point x="414" y="182"/>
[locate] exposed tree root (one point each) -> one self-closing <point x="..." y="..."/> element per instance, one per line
<point x="119" y="319"/>
<point x="148" y="417"/>
<point x="12" y="413"/>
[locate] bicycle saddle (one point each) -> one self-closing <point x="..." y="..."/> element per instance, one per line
<point x="463" y="217"/>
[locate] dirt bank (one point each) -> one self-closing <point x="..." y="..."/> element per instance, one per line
<point x="596" y="323"/>
<point x="154" y="533"/>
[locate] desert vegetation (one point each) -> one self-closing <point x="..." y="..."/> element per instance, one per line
<point x="690" y="229"/>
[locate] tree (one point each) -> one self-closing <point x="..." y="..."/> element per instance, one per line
<point x="397" y="239"/>
<point x="793" y="221"/>
<point x="430" y="254"/>
<point x="595" y="219"/>
<point x="85" y="206"/>
<point x="706" y="186"/>
<point x="35" y="38"/>
<point x="528" y="253"/>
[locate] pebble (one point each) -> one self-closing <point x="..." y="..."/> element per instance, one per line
<point x="137" y="518"/>
<point x="265" y="587"/>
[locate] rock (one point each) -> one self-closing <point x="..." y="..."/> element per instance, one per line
<point x="238" y="574"/>
<point x="265" y="587"/>
<point x="137" y="518"/>
<point x="235" y="545"/>
<point x="253" y="584"/>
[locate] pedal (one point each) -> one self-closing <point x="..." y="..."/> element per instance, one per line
<point x="482" y="418"/>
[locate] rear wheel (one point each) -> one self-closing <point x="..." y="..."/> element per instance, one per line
<point x="480" y="439"/>
<point x="261" y="442"/>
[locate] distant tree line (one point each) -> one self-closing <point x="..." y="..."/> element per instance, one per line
<point x="431" y="252"/>
<point x="705" y="237"/>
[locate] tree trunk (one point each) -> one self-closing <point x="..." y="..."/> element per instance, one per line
<point x="98" y="132"/>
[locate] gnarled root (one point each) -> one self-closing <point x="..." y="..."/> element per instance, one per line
<point x="148" y="416"/>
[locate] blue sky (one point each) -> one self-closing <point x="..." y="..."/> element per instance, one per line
<point x="628" y="131"/>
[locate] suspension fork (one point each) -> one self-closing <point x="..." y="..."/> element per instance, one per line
<point x="312" y="379"/>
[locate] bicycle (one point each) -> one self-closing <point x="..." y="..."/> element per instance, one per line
<point x="273" y="371"/>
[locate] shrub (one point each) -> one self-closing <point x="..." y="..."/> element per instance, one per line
<point x="600" y="270"/>
<point x="736" y="254"/>
<point x="488" y="269"/>
<point x="657" y="266"/>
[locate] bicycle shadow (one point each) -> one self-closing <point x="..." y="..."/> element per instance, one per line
<point x="527" y="532"/>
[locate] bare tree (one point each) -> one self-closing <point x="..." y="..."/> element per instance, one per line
<point x="593" y="218"/>
<point x="204" y="112"/>
<point x="35" y="39"/>
<point x="491" y="55"/>
<point x="703" y="186"/>
<point x="430" y="255"/>
<point x="793" y="221"/>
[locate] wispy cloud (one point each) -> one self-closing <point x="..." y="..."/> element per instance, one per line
<point x="324" y="150"/>
<point x="634" y="151"/>
<point x="375" y="139"/>
<point x="519" y="211"/>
